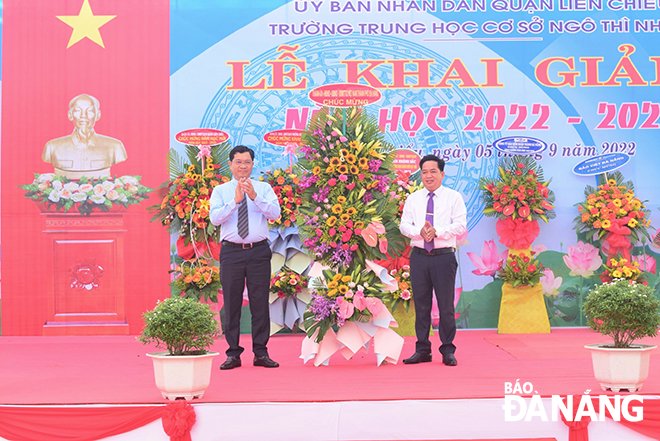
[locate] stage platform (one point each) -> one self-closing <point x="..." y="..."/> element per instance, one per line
<point x="347" y="400"/>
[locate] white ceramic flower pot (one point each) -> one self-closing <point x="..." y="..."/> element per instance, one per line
<point x="182" y="376"/>
<point x="621" y="368"/>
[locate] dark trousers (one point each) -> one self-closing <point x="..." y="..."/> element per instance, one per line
<point x="239" y="267"/>
<point x="428" y="273"/>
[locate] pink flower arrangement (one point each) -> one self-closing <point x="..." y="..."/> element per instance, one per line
<point x="339" y="296"/>
<point x="349" y="216"/>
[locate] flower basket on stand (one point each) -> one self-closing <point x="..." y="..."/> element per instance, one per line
<point x="612" y="217"/>
<point x="522" y="308"/>
<point x="519" y="197"/>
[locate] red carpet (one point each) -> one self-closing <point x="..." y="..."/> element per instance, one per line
<point x="114" y="369"/>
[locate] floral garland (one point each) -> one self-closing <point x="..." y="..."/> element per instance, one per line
<point x="288" y="283"/>
<point x="612" y="212"/>
<point x="286" y="185"/>
<point x="339" y="296"/>
<point x="521" y="270"/>
<point x="520" y="191"/>
<point x="198" y="279"/>
<point x="185" y="204"/>
<point x="86" y="194"/>
<point x="349" y="218"/>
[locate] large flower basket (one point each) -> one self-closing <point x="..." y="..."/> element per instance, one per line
<point x="522" y="310"/>
<point x="405" y="318"/>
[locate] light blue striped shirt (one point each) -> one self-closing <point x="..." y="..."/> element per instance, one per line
<point x="224" y="211"/>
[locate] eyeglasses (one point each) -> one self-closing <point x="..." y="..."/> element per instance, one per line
<point x="240" y="163"/>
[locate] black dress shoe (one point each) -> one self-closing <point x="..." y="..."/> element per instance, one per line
<point x="265" y="361"/>
<point x="449" y="360"/>
<point x="418" y="357"/>
<point x="230" y="363"/>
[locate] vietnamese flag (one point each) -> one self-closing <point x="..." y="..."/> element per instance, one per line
<point x="117" y="52"/>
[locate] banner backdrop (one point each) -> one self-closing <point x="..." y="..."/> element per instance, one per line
<point x="579" y="78"/>
<point x="457" y="77"/>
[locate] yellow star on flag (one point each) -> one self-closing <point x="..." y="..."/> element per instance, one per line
<point x="85" y="25"/>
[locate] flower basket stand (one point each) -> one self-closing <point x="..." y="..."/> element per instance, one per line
<point x="523" y="311"/>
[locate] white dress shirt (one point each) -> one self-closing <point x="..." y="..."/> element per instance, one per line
<point x="224" y="211"/>
<point x="449" y="217"/>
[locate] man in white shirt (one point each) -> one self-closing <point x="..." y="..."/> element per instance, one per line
<point x="432" y="218"/>
<point x="243" y="207"/>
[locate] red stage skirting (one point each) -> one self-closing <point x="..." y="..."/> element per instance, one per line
<point x="114" y="370"/>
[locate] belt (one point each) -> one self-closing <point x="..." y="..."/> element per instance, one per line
<point x="434" y="251"/>
<point x="245" y="246"/>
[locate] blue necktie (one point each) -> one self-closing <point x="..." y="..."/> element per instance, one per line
<point x="243" y="224"/>
<point x="428" y="245"/>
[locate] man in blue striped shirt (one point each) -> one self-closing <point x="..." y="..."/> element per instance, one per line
<point x="243" y="207"/>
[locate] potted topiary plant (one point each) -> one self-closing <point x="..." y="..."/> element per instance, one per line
<point x="186" y="328"/>
<point x="626" y="311"/>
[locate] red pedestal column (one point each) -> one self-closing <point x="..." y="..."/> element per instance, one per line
<point x="86" y="284"/>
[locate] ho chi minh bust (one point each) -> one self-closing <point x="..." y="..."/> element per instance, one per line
<point x="84" y="152"/>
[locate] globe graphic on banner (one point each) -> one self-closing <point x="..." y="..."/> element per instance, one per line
<point x="248" y="115"/>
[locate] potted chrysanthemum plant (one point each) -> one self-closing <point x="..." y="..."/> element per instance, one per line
<point x="625" y="310"/>
<point x="187" y="329"/>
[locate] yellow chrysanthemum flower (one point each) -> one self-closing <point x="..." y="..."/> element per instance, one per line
<point x="316" y="170"/>
<point x="337" y="208"/>
<point x="331" y="221"/>
<point x="632" y="223"/>
<point x="341" y="199"/>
